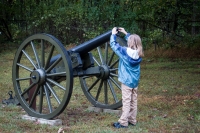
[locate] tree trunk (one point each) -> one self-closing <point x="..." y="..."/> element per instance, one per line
<point x="5" y="29"/>
<point x="193" y="30"/>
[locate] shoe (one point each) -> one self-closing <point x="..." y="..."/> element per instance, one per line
<point x="131" y="124"/>
<point x="118" y="125"/>
<point x="115" y="124"/>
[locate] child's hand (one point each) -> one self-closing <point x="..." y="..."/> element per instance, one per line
<point x="114" y="30"/>
<point x="122" y="30"/>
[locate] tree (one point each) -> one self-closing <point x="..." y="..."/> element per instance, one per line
<point x="67" y="19"/>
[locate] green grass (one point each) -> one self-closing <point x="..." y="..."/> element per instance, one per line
<point x="170" y="96"/>
<point x="168" y="101"/>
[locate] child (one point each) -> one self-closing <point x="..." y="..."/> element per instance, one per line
<point x="128" y="75"/>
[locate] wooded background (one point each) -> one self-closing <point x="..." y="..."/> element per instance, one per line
<point x="165" y="23"/>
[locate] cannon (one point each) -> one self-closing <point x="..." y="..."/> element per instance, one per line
<point x="43" y="74"/>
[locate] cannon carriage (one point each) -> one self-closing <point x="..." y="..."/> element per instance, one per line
<point x="44" y="71"/>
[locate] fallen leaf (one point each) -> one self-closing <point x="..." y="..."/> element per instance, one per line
<point x="60" y="130"/>
<point x="151" y="116"/>
<point x="63" y="129"/>
<point x="190" y="117"/>
<point x="37" y="122"/>
<point x="164" y="90"/>
<point x="165" y="116"/>
<point x="155" y="109"/>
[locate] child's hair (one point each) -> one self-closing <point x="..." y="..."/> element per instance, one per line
<point x="134" y="42"/>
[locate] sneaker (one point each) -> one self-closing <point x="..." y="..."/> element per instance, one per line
<point x="118" y="125"/>
<point x="115" y="124"/>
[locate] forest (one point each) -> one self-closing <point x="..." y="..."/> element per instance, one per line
<point x="163" y="23"/>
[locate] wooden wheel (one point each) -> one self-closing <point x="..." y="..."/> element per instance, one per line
<point x="104" y="91"/>
<point x="42" y="76"/>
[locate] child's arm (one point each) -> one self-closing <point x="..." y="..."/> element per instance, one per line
<point x="127" y="35"/>
<point x="122" y="30"/>
<point x="119" y="50"/>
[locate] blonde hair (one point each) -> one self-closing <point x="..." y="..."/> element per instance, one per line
<point x="134" y="42"/>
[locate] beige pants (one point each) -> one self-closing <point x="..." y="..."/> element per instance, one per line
<point x="129" y="108"/>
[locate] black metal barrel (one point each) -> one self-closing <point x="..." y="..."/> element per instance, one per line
<point x="92" y="44"/>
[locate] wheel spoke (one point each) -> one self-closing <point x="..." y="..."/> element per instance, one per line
<point x="26" y="91"/>
<point x="36" y="55"/>
<point x="54" y="93"/>
<point x="105" y="92"/>
<point x="114" y="63"/>
<point x="114" y="75"/>
<point x="49" y="57"/>
<point x="115" y="82"/>
<point x="106" y="53"/>
<point x="41" y="99"/>
<point x="55" y="83"/>
<point x="20" y="79"/>
<point x="113" y="69"/>
<point x="54" y="64"/>
<point x="113" y="53"/>
<point x="29" y="58"/>
<point x="112" y="91"/>
<point x="42" y="53"/>
<point x="99" y="90"/>
<point x="93" y="84"/>
<point x="25" y="67"/>
<point x="100" y="55"/>
<point x="96" y="61"/>
<point x="48" y="98"/>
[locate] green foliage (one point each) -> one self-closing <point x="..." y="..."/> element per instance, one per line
<point x="192" y="41"/>
<point x="80" y="20"/>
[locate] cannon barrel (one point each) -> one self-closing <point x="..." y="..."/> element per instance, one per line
<point x="92" y="44"/>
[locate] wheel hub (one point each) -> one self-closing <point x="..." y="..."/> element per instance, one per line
<point x="38" y="76"/>
<point x="106" y="72"/>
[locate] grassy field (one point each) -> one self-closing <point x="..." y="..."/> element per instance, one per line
<point x="169" y="101"/>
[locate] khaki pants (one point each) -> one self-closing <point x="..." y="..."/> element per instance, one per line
<point x="129" y="108"/>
